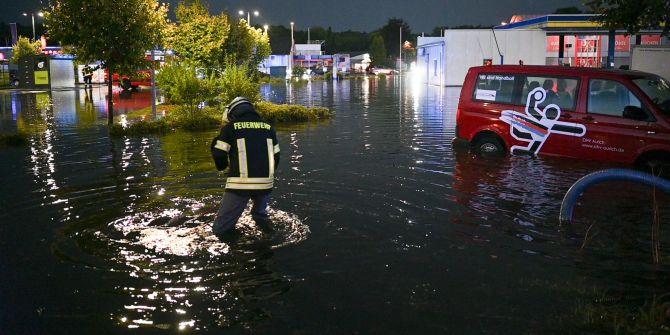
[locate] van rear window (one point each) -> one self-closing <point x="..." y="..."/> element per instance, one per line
<point x="494" y="88"/>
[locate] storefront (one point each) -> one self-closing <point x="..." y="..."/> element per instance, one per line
<point x="578" y="40"/>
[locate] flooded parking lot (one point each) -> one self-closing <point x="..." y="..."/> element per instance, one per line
<point x="382" y="227"/>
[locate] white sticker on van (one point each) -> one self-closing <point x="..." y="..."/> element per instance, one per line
<point x="535" y="126"/>
<point x="488" y="95"/>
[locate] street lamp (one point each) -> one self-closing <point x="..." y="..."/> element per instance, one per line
<point x="241" y="12"/>
<point x="265" y="27"/>
<point x="40" y="14"/>
<point x="292" y="47"/>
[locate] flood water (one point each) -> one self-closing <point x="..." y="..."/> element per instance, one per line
<point x="380" y="226"/>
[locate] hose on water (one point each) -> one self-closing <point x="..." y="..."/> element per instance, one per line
<point x="578" y="188"/>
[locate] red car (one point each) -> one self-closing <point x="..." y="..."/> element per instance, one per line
<point x="611" y="115"/>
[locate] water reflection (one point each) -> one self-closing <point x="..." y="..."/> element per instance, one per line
<point x="179" y="275"/>
<point x="188" y="278"/>
<point x="376" y="201"/>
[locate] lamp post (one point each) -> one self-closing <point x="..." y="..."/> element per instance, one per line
<point x="292" y="47"/>
<point x="241" y="12"/>
<point x="40" y="14"/>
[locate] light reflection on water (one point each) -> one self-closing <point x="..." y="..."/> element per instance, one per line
<point x="373" y="203"/>
<point x="186" y="272"/>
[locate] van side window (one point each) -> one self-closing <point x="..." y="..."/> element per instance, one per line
<point x="494" y="88"/>
<point x="609" y="97"/>
<point x="560" y="91"/>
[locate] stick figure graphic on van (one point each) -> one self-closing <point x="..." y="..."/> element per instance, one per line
<point x="535" y="126"/>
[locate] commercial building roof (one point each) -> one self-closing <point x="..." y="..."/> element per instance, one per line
<point x="561" y="23"/>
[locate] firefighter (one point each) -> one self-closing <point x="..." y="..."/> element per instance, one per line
<point x="248" y="147"/>
<point x="87" y="72"/>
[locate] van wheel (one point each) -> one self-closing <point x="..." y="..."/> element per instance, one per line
<point x="489" y="145"/>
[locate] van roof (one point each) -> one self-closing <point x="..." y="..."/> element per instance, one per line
<point x="555" y="69"/>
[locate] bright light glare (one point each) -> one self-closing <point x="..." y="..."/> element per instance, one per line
<point x="416" y="80"/>
<point x="255" y="13"/>
<point x="241" y="12"/>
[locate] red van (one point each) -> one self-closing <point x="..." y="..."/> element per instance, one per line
<point x="611" y="115"/>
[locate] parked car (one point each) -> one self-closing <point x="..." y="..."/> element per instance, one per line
<point x="599" y="114"/>
<point x="384" y="70"/>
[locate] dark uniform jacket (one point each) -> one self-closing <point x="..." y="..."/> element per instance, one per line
<point x="249" y="146"/>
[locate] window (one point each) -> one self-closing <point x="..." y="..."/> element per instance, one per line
<point x="560" y="91"/>
<point x="495" y="88"/>
<point x="514" y="89"/>
<point x="609" y="97"/>
<point x="658" y="90"/>
<point x="435" y="68"/>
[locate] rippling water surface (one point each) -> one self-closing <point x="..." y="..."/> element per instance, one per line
<point x="380" y="226"/>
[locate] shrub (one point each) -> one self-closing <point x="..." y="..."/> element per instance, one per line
<point x="237" y="81"/>
<point x="25" y="48"/>
<point x="210" y="118"/>
<point x="274" y="113"/>
<point x="181" y="85"/>
<point x="298" y="71"/>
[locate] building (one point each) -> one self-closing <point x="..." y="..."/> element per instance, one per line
<point x="308" y="56"/>
<point x="445" y="60"/>
<point x="573" y="40"/>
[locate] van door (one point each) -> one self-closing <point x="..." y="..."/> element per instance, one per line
<point x="611" y="134"/>
<point x="544" y="124"/>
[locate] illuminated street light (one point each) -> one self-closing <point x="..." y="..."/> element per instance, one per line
<point x="241" y="12"/>
<point x="265" y="27"/>
<point x="40" y="14"/>
<point x="290" y="72"/>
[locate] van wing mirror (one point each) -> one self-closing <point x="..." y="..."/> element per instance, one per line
<point x="635" y="113"/>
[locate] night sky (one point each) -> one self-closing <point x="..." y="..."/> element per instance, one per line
<point x="358" y="15"/>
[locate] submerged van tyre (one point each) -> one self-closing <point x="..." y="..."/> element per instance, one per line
<point x="488" y="145"/>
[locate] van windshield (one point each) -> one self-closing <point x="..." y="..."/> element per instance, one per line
<point x="658" y="90"/>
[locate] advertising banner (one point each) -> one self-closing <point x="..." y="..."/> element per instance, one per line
<point x="587" y="51"/>
<point x="15" y="36"/>
<point x="622" y="43"/>
<point x="651" y="40"/>
<point x="552" y="43"/>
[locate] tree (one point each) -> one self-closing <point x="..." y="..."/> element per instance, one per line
<point x="377" y="50"/>
<point x="261" y="43"/>
<point x="438" y="31"/>
<point x="391" y="34"/>
<point x="208" y="41"/>
<point x="199" y="38"/>
<point x="633" y="15"/>
<point x="116" y="32"/>
<point x="24" y="48"/>
<point x="240" y="45"/>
